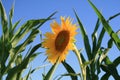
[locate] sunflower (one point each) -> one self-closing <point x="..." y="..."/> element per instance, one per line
<point x="61" y="40"/>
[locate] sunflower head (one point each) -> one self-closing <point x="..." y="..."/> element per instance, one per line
<point x="61" y="40"/>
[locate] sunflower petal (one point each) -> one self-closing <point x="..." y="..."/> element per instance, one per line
<point x="55" y="27"/>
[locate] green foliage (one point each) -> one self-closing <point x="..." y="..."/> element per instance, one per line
<point x="14" y="42"/>
<point x="109" y="67"/>
<point x="95" y="53"/>
<point x="49" y="75"/>
<point x="70" y="71"/>
<point x="85" y="37"/>
<point x="107" y="27"/>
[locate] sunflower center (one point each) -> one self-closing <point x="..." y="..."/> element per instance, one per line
<point x="62" y="40"/>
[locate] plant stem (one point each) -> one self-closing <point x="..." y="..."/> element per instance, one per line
<point x="82" y="67"/>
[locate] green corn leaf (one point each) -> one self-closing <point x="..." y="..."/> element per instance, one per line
<point x="28" y="75"/>
<point x="18" y="59"/>
<point x="27" y="27"/>
<point x="94" y="36"/>
<point x="33" y="56"/>
<point x="106" y="26"/>
<point x="35" y="48"/>
<point x="107" y="61"/>
<point x="22" y="31"/>
<point x="43" y="66"/>
<point x="110" y="67"/>
<point x="12" y="31"/>
<point x="105" y="76"/>
<point x="44" y="20"/>
<point x="102" y="33"/>
<point x="15" y="25"/>
<point x="117" y="61"/>
<point x="88" y="75"/>
<point x="18" y="69"/>
<point x="83" y="58"/>
<point x="103" y="55"/>
<point x="19" y="75"/>
<point x="96" y="27"/>
<point x="15" y="71"/>
<point x="118" y="32"/>
<point x="5" y="34"/>
<point x="97" y="45"/>
<point x="32" y="51"/>
<point x="10" y="17"/>
<point x="0" y="48"/>
<point x="70" y="70"/>
<point x="12" y="73"/>
<point x="85" y="38"/>
<point x="110" y="43"/>
<point x="14" y="51"/>
<point x="33" y="70"/>
<point x="98" y="67"/>
<point x="11" y="47"/>
<point x="51" y="71"/>
<point x="68" y="74"/>
<point x="11" y="11"/>
<point x="22" y="46"/>
<point x="5" y="47"/>
<point x="112" y="17"/>
<point x="3" y="18"/>
<point x="112" y="70"/>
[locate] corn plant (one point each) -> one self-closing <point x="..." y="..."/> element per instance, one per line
<point x="13" y="43"/>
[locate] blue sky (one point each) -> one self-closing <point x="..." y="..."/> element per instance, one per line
<point x="35" y="9"/>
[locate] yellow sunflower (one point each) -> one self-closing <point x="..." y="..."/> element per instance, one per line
<point x="61" y="40"/>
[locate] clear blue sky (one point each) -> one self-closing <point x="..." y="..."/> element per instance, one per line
<point x="35" y="9"/>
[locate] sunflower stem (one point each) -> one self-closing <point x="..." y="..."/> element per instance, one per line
<point x="83" y="69"/>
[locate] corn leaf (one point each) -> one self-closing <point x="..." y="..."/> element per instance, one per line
<point x="10" y="17"/>
<point x="106" y="26"/>
<point x="110" y="68"/>
<point x="70" y="70"/>
<point x="68" y="74"/>
<point x="85" y="38"/>
<point x="24" y="29"/>
<point x="49" y="75"/>
<point x="3" y="18"/>
<point x="105" y="76"/>
<point x="94" y="36"/>
<point x="18" y="69"/>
